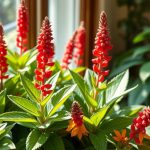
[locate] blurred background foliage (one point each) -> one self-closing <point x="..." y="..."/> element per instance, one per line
<point x="135" y="30"/>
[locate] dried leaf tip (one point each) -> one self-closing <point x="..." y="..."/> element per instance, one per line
<point x="1" y="29"/>
<point x="23" y="2"/>
<point x="103" y="19"/>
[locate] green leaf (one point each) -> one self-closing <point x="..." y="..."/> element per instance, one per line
<point x="145" y="71"/>
<point x="139" y="95"/>
<point x="81" y="85"/>
<point x="53" y="80"/>
<point x="2" y="128"/>
<point x="119" y="97"/>
<point x="6" y="144"/>
<point x="35" y="139"/>
<point x="33" y="55"/>
<point x="101" y="114"/>
<point x="67" y="76"/>
<point x="90" y="78"/>
<point x="58" y="117"/>
<point x="87" y="120"/>
<point x="99" y="140"/>
<point x="141" y="50"/>
<point x="117" y="85"/>
<point x="55" y="142"/>
<point x="25" y="104"/>
<point x="11" y="83"/>
<point x="142" y="36"/>
<point x="23" y="59"/>
<point x="2" y="101"/>
<point x="33" y="93"/>
<point x="6" y="131"/>
<point x="118" y="123"/>
<point x="124" y="66"/>
<point x="130" y="110"/>
<point x="17" y="116"/>
<point x="63" y="97"/>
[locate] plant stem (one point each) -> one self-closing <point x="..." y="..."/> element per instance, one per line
<point x="1" y="81"/>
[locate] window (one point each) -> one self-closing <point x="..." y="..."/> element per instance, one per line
<point x="64" y="16"/>
<point x="8" y="19"/>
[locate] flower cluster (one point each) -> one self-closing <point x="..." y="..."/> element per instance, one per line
<point x="76" y="125"/>
<point x="22" y="27"/>
<point x="122" y="139"/>
<point x="79" y="44"/>
<point x="138" y="127"/>
<point x="44" y="58"/>
<point x="102" y="46"/>
<point x="3" y="53"/>
<point x="68" y="53"/>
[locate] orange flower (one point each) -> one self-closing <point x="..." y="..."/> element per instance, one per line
<point x="76" y="125"/>
<point x="142" y="136"/>
<point x="75" y="130"/>
<point x="121" y="137"/>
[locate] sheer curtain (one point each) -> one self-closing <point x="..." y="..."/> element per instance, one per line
<point x="64" y="16"/>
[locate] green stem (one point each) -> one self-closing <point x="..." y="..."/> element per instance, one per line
<point x="1" y="82"/>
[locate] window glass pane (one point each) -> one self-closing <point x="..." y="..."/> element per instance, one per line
<point x="64" y="17"/>
<point x="8" y="19"/>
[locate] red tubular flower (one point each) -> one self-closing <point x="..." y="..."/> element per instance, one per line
<point x="22" y="27"/>
<point x="102" y="46"/>
<point x="44" y="58"/>
<point x="3" y="60"/>
<point x="79" y="45"/>
<point x="138" y="131"/>
<point x="68" y="53"/>
<point x="76" y="125"/>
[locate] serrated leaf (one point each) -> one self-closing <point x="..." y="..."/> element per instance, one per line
<point x="145" y="71"/>
<point x="99" y="140"/>
<point x="2" y="101"/>
<point x="33" y="93"/>
<point x="25" y="104"/>
<point x="16" y="116"/>
<point x="63" y="98"/>
<point x="117" y="85"/>
<point x="35" y="139"/>
<point x="81" y="84"/>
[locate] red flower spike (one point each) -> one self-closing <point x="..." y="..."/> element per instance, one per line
<point x="79" y="45"/>
<point x="3" y="53"/>
<point x="22" y="27"/>
<point x="45" y="56"/>
<point x="102" y="46"/>
<point x="68" y="53"/>
<point x="138" y="127"/>
<point x="76" y="125"/>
